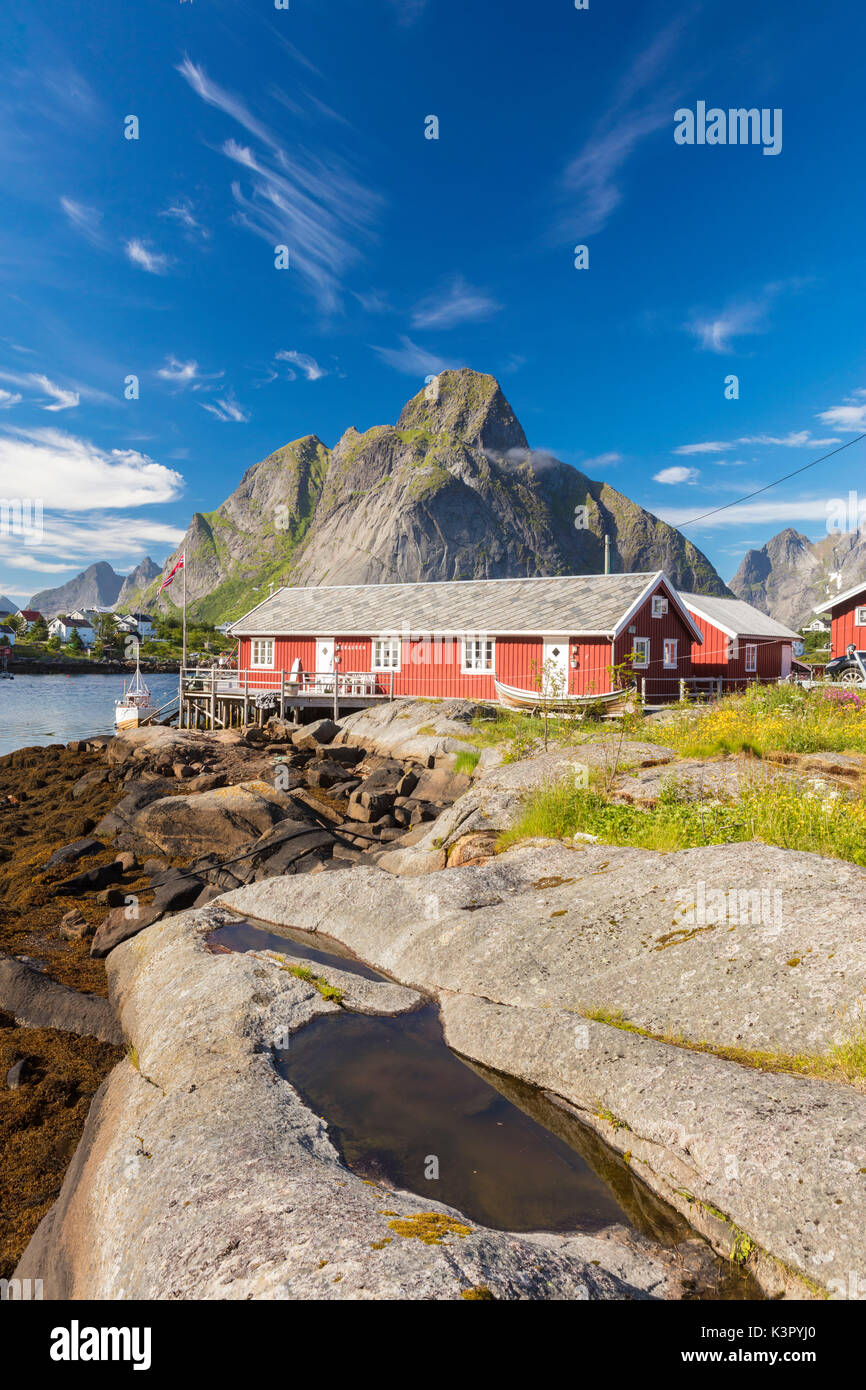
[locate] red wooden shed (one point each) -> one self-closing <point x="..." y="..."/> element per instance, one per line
<point x="741" y="644"/>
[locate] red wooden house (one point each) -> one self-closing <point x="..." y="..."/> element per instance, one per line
<point x="459" y="638"/>
<point x="740" y="644"/>
<point x="848" y="618"/>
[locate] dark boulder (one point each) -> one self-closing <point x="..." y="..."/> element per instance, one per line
<point x="39" y="1002"/>
<point x="78" y="849"/>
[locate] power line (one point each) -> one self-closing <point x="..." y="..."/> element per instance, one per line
<point x="766" y="488"/>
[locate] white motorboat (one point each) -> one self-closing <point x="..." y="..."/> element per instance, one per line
<point x="136" y="705"/>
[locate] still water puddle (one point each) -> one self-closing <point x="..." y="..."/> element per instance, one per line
<point x="401" y="1106"/>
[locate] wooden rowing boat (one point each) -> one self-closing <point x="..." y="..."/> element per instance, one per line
<point x="516" y="698"/>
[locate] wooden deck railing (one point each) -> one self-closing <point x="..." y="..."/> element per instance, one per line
<point x="255" y="681"/>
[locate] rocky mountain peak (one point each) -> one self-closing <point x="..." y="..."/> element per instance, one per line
<point x="466" y="405"/>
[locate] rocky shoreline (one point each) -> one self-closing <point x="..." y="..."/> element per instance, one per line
<point x="533" y="956"/>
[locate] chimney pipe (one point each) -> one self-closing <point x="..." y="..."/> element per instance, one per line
<point x="607" y="554"/>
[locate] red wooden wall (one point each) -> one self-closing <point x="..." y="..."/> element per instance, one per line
<point x="712" y="658"/>
<point x="661" y="683"/>
<point x="845" y="630"/>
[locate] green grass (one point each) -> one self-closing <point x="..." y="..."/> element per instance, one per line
<point x="777" y="813"/>
<point x="767" y="719"/>
<point x="303" y="972"/>
<point x="844" y="1062"/>
<point x="467" y="762"/>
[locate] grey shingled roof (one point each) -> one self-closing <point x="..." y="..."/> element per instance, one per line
<point x="735" y="617"/>
<point x="575" y="603"/>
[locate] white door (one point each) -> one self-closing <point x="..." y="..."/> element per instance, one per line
<point x="324" y="655"/>
<point x="786" y="661"/>
<point x="555" y="658"/>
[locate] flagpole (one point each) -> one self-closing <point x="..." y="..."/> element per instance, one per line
<point x="183" y="557"/>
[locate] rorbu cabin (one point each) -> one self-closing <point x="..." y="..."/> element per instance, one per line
<point x="485" y="639"/>
<point x="847" y="614"/>
<point x="740" y="644"/>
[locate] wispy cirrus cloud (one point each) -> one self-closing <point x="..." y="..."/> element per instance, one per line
<point x="227" y="410"/>
<point x="786" y="512"/>
<point x="795" y="439"/>
<point x="154" y="262"/>
<point x="414" y="360"/>
<point x="408" y="11"/>
<point x="86" y="220"/>
<point x="642" y="104"/>
<point x="305" y="364"/>
<point x="312" y="204"/>
<point x="457" y="302"/>
<point x="184" y="374"/>
<point x="181" y="211"/>
<point x="609" y="460"/>
<point x="740" y="318"/>
<point x="59" y="397"/>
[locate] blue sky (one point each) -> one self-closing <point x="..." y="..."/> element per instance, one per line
<point x="306" y="127"/>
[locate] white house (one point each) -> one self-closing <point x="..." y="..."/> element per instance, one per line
<point x="143" y="623"/>
<point x="64" y="628"/>
<point x="30" y="616"/>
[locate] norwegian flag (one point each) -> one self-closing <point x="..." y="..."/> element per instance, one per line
<point x="169" y="579"/>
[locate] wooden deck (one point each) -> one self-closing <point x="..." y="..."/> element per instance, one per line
<point x="222" y="699"/>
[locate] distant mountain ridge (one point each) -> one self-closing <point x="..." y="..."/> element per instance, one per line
<point x="791" y="575"/>
<point x="452" y="491"/>
<point x="99" y="586"/>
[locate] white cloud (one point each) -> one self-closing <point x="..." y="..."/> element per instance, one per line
<point x="304" y="363"/>
<point x="183" y="374"/>
<point x="9" y="398"/>
<point x="63" y="400"/>
<point x="310" y="203"/>
<point x="713" y="447"/>
<point x="412" y="359"/>
<point x="796" y="439"/>
<point x="601" y="461"/>
<point x="86" y="220"/>
<point x="676" y="475"/>
<point x="61" y="397"/>
<point x="77" y="539"/>
<point x="228" y="410"/>
<point x="71" y="474"/>
<point x="457" y="302"/>
<point x="152" y="261"/>
<point x="851" y="419"/>
<point x="783" y="513"/>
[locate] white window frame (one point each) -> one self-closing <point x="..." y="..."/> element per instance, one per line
<point x="732" y="649"/>
<point x="671" y="644"/>
<point x="467" y="659"/>
<point x="377" y="654"/>
<point x="860" y="617"/>
<point x="645" y="645"/>
<point x="256" y="664"/>
<point x="659" y="606"/>
<point x="751" y="657"/>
